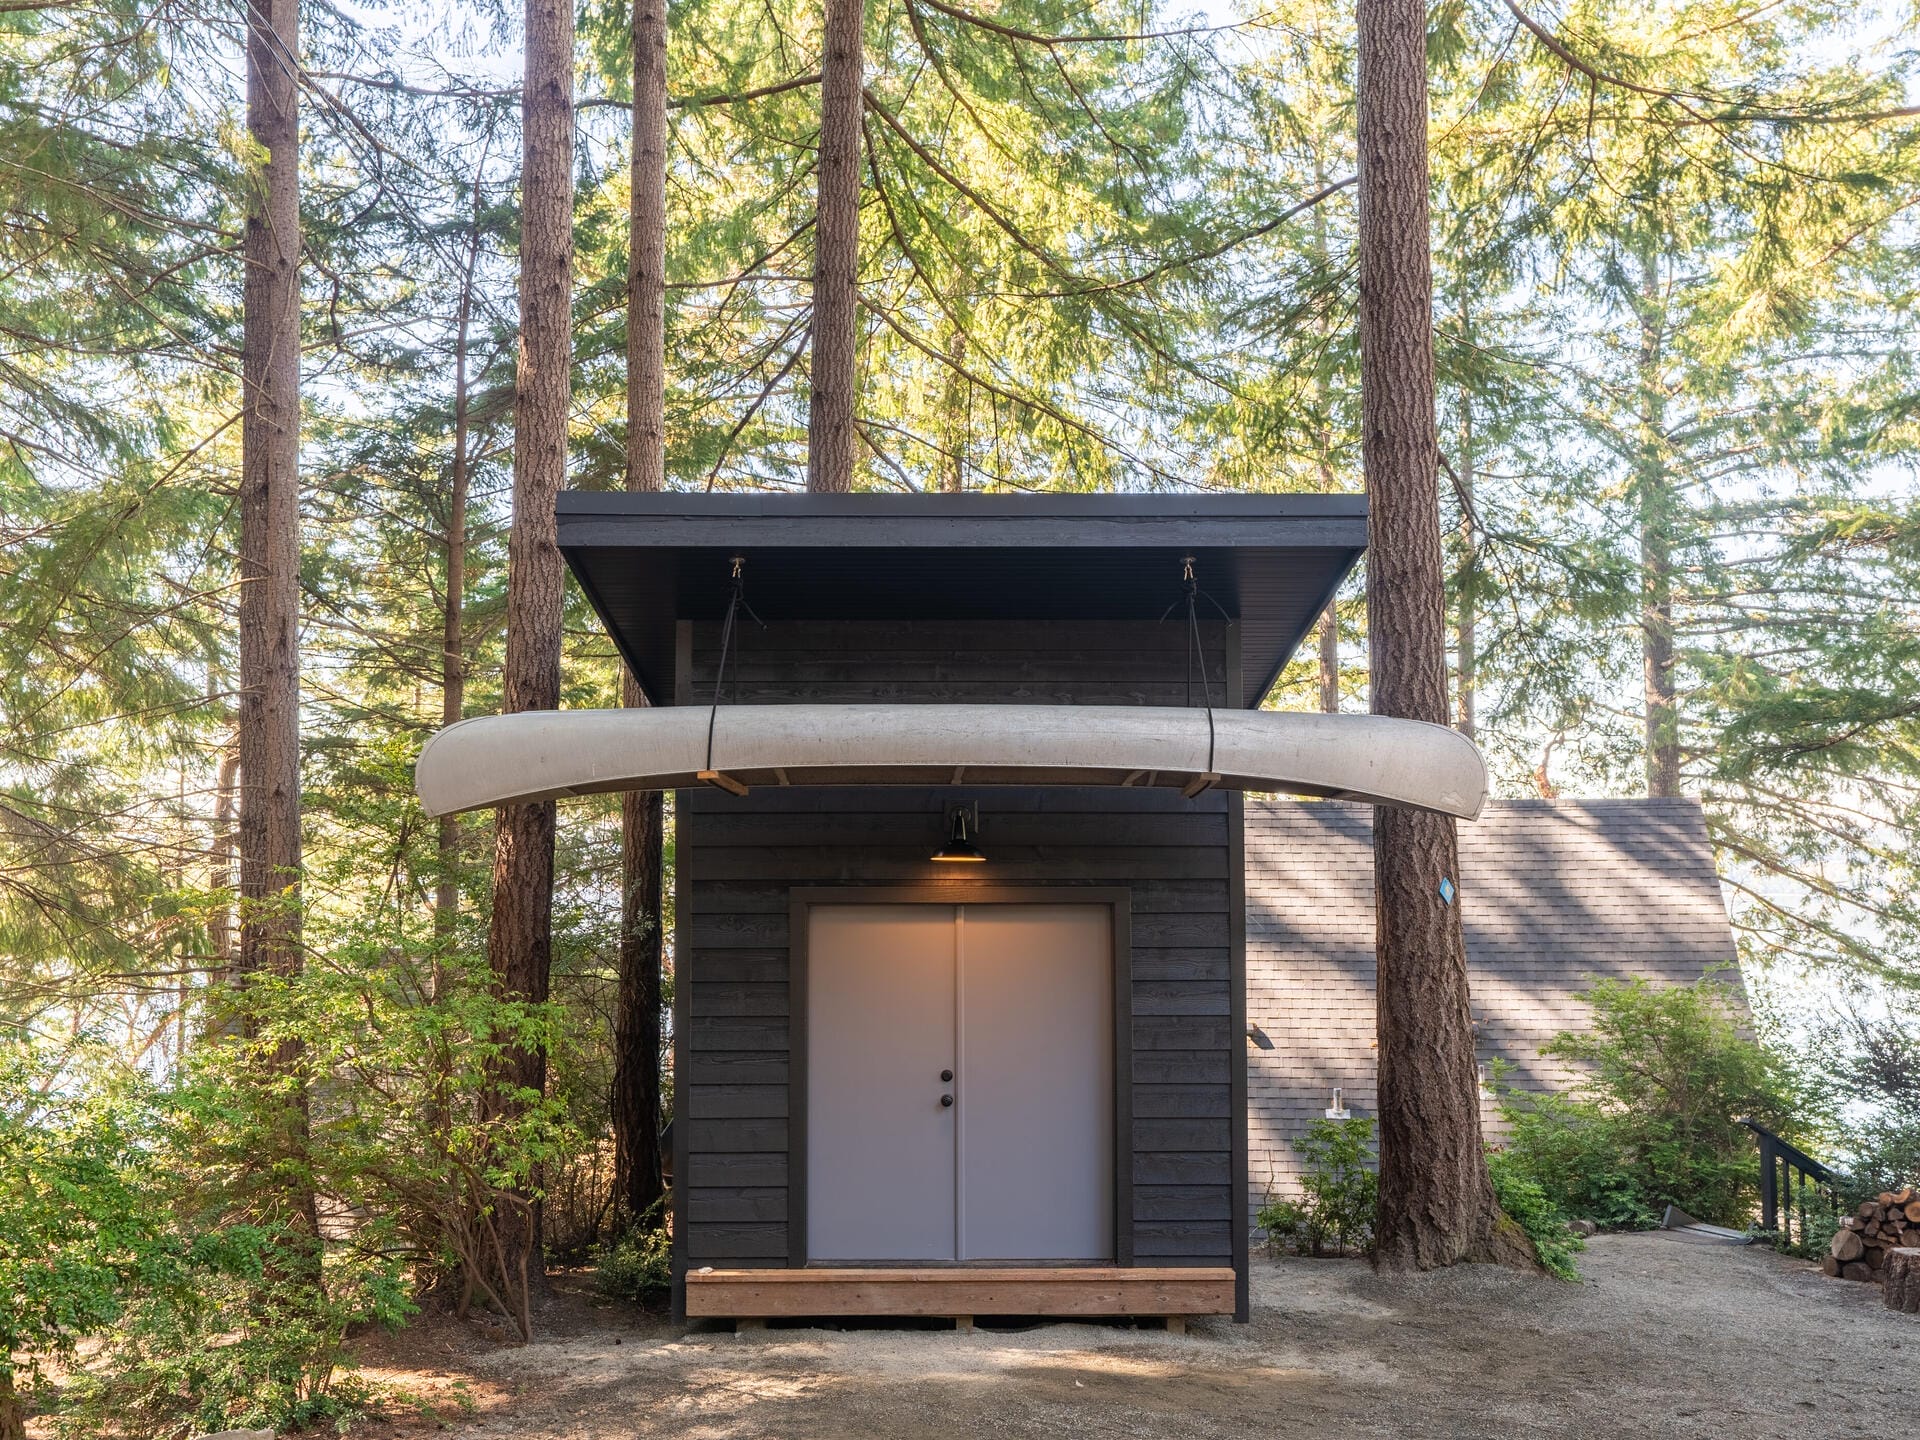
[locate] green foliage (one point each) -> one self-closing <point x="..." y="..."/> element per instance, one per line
<point x="107" y="1229"/>
<point x="82" y="1222"/>
<point x="1526" y="1204"/>
<point x="1339" y="1191"/>
<point x="1866" y="1052"/>
<point x="1665" y="1076"/>
<point x="1671" y="313"/>
<point x="240" y="1349"/>
<point x="1813" y="1228"/>
<point x="639" y="1264"/>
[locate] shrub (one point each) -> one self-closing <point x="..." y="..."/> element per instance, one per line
<point x="638" y="1265"/>
<point x="1282" y="1222"/>
<point x="107" y="1233"/>
<point x="1339" y="1191"/>
<point x="1527" y="1205"/>
<point x="1668" y="1072"/>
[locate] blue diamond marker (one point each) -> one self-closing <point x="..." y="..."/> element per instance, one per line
<point x="1446" y="889"/>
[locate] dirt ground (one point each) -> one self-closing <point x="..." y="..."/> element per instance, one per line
<point x="1666" y="1335"/>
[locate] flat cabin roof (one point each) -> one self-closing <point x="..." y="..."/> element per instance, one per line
<point x="1269" y="562"/>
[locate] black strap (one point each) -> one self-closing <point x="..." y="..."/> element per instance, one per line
<point x="735" y="604"/>
<point x="1195" y="651"/>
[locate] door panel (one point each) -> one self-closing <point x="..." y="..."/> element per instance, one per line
<point x="880" y="1023"/>
<point x="1036" y="1082"/>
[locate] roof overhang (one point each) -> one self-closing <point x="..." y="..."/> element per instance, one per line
<point x="548" y="754"/>
<point x="1271" y="563"/>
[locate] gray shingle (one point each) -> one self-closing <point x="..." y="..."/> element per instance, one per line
<point x="1552" y="894"/>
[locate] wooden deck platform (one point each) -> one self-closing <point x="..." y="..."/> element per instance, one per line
<point x="960" y="1292"/>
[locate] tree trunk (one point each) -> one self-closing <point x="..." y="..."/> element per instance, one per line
<point x="1323" y="444"/>
<point x="269" y="725"/>
<point x="1436" y="1199"/>
<point x="453" y="664"/>
<point x="220" y="865"/>
<point x="647" y="253"/>
<point x="638" y="1186"/>
<point x="1330" y="660"/>
<point x="1654" y="495"/>
<point x="635" y="1109"/>
<point x="836" y="253"/>
<point x="520" y="938"/>
<point x="1466" y="638"/>
<point x="269" y="719"/>
<point x="954" y="396"/>
<point x="13" y="1415"/>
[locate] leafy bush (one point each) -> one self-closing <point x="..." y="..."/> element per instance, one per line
<point x="81" y="1221"/>
<point x="1668" y="1072"/>
<point x="1339" y="1191"/>
<point x="241" y="1348"/>
<point x="638" y="1265"/>
<point x="1527" y="1205"/>
<point x="1813" y="1229"/>
<point x="1282" y="1222"/>
<point x="107" y="1233"/>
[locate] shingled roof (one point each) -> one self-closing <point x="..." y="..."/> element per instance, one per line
<point x="1552" y="894"/>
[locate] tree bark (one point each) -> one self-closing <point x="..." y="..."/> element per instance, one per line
<point x="638" y="1185"/>
<point x="954" y="404"/>
<point x="453" y="663"/>
<point x="1436" y="1198"/>
<point x="1323" y="444"/>
<point x="1330" y="660"/>
<point x="13" y="1415"/>
<point x="1466" y="637"/>
<point x="647" y="253"/>
<point x="520" y="937"/>
<point x="635" y="1108"/>
<point x="269" y="724"/>
<point x="220" y="864"/>
<point x="269" y="720"/>
<point x="1654" y="496"/>
<point x="836" y="253"/>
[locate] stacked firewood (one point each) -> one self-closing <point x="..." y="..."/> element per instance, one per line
<point x="1889" y="1221"/>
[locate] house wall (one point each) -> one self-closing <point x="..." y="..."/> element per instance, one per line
<point x="1552" y="894"/>
<point x="739" y="858"/>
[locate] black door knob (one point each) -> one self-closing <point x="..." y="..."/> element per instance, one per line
<point x="945" y="1076"/>
<point x="946" y="1100"/>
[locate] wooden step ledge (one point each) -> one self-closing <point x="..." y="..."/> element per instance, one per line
<point x="1103" y="1290"/>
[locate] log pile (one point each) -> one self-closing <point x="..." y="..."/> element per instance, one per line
<point x="1889" y="1221"/>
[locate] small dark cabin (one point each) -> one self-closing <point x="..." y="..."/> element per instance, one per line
<point x="906" y="1085"/>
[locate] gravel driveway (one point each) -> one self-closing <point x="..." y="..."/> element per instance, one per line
<point x="1667" y="1335"/>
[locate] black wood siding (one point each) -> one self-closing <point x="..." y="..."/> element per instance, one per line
<point x="739" y="857"/>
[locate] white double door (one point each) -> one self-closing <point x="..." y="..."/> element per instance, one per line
<point x="959" y="1095"/>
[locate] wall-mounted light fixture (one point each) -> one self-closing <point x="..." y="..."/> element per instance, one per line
<point x="963" y="823"/>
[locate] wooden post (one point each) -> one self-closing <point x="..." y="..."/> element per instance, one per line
<point x="1769" y="1185"/>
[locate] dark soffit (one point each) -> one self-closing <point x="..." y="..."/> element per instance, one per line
<point x="1271" y="562"/>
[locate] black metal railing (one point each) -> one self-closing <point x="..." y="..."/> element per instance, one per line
<point x="1792" y="1182"/>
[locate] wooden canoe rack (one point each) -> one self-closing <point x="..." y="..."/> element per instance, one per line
<point x="960" y="1293"/>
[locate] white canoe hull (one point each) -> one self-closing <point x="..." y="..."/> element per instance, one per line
<point x="549" y="754"/>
